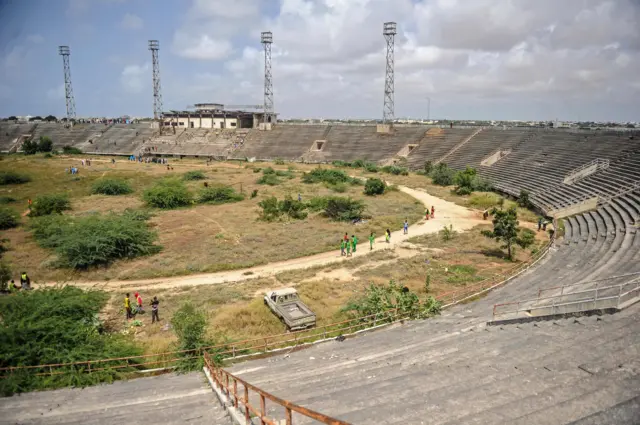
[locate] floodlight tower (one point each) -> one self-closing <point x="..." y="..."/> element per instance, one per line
<point x="68" y="89"/>
<point x="389" y="32"/>
<point x="154" y="46"/>
<point x="266" y="38"/>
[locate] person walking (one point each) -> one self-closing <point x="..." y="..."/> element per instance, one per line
<point x="139" y="308"/>
<point x="154" y="310"/>
<point x="354" y="243"/>
<point x="433" y="212"/>
<point x="25" y="281"/>
<point x="342" y="247"/>
<point x="348" y="246"/>
<point x="372" y="238"/>
<point x="426" y="215"/>
<point x="387" y="236"/>
<point x="127" y="306"/>
<point x="405" y="228"/>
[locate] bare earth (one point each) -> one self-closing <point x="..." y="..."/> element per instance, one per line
<point x="446" y="213"/>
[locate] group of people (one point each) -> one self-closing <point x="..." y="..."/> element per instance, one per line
<point x="347" y="246"/>
<point x="433" y="213"/>
<point x="25" y="283"/>
<point x="138" y="309"/>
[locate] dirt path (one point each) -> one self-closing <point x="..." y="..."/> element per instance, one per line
<point x="447" y="213"/>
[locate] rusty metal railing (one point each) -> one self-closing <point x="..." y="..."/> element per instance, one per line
<point x="240" y="398"/>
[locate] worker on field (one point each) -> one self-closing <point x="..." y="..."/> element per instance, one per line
<point x="12" y="287"/>
<point x="354" y="243"/>
<point x="433" y="212"/>
<point x="387" y="236"/>
<point x="372" y="238"/>
<point x="25" y="282"/>
<point x="154" y="310"/>
<point x="127" y="306"/>
<point x="405" y="227"/>
<point x="139" y="308"/>
<point x="342" y="247"/>
<point x="348" y="247"/>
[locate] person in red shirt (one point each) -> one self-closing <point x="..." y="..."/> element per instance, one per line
<point x="139" y="302"/>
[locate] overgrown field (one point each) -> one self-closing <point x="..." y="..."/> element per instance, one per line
<point x="199" y="229"/>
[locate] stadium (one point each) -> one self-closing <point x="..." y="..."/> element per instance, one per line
<point x="551" y="338"/>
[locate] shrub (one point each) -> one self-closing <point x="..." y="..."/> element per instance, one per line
<point x="468" y="181"/>
<point x="318" y="203"/>
<point x="338" y="187"/>
<point x="111" y="187"/>
<point x="10" y="177"/>
<point x="371" y="167"/>
<point x="8" y="219"/>
<point x="447" y="233"/>
<point x="57" y="325"/>
<point x="278" y="161"/>
<point x="7" y="200"/>
<point x="374" y="187"/>
<point x="70" y="150"/>
<point x="193" y="175"/>
<point x="524" y="199"/>
<point x="190" y="326"/>
<point x="357" y="182"/>
<point x="484" y="200"/>
<point x="395" y="170"/>
<point x="95" y="240"/>
<point x="341" y="164"/>
<point x="269" y="179"/>
<point x="29" y="147"/>
<point x="47" y="155"/>
<point x="168" y="194"/>
<point x="442" y="175"/>
<point x="257" y="170"/>
<point x="344" y="209"/>
<point x="219" y="195"/>
<point x="5" y="276"/>
<point x="272" y="209"/>
<point x="254" y="193"/>
<point x="54" y="203"/>
<point x="428" y="167"/>
<point x="45" y="144"/>
<point x="380" y="300"/>
<point x="321" y="175"/>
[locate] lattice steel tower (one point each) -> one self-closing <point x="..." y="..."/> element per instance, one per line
<point x="389" y="32"/>
<point x="68" y="89"/>
<point x="154" y="46"/>
<point x="266" y="39"/>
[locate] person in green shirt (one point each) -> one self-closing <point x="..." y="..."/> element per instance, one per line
<point x="372" y="237"/>
<point x="341" y="247"/>
<point x="348" y="246"/>
<point x="354" y="243"/>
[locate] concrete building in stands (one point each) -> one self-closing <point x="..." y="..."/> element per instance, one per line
<point x="214" y="115"/>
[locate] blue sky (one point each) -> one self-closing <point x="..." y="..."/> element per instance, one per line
<point x="500" y="59"/>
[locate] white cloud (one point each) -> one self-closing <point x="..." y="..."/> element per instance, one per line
<point x="201" y="47"/>
<point x="135" y="78"/>
<point x="35" y="38"/>
<point x="56" y="93"/>
<point x="131" y="22"/>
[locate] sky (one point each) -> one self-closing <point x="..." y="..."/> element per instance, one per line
<point x="474" y="59"/>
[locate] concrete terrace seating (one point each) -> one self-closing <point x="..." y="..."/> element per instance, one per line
<point x="122" y="139"/>
<point x="436" y="143"/>
<point x="454" y="370"/>
<point x="195" y="142"/>
<point x="10" y="133"/>
<point x="484" y="144"/>
<point x="175" y="399"/>
<point x="283" y="141"/>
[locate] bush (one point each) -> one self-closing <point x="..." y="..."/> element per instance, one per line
<point x="447" y="233"/>
<point x="428" y="167"/>
<point x="374" y="187"/>
<point x="45" y="144"/>
<point x="219" y="195"/>
<point x="190" y="326"/>
<point x="254" y="193"/>
<point x="269" y="179"/>
<point x="371" y="167"/>
<point x="321" y="175"/>
<point x="54" y="203"/>
<point x="193" y="175"/>
<point x="10" y="177"/>
<point x="168" y="194"/>
<point x="395" y="170"/>
<point x="344" y="209"/>
<point x="8" y="219"/>
<point x="47" y="155"/>
<point x="7" y="200"/>
<point x="95" y="240"/>
<point x="524" y="199"/>
<point x="338" y="187"/>
<point x="70" y="150"/>
<point x="468" y="181"/>
<point x="272" y="209"/>
<point x="5" y="277"/>
<point x="57" y="325"/>
<point x="381" y="299"/>
<point x="29" y="147"/>
<point x="111" y="187"/>
<point x="278" y="161"/>
<point x="442" y="175"/>
<point x="341" y="164"/>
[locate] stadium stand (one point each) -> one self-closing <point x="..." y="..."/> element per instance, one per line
<point x="436" y="143"/>
<point x="285" y="142"/>
<point x="11" y="133"/>
<point x="119" y="139"/>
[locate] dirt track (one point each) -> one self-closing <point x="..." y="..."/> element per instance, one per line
<point x="446" y="213"/>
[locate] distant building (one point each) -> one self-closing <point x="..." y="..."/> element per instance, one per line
<point x="214" y="115"/>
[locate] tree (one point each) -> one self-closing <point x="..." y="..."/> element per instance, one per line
<point x="50" y="118"/>
<point x="12" y="118"/>
<point x="374" y="187"/>
<point x="524" y="200"/>
<point x="45" y="144"/>
<point x="428" y="167"/>
<point x="29" y="147"/>
<point x="36" y="118"/>
<point x="506" y="230"/>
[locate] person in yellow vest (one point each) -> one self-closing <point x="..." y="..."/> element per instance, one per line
<point x="127" y="306"/>
<point x="25" y="282"/>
